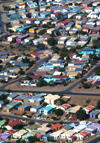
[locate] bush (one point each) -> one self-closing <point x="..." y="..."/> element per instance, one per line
<point x="58" y="112"/>
<point x="88" y="100"/>
<point x="41" y="83"/>
<point x="81" y="115"/>
<point x="86" y="85"/>
<point x="97" y="87"/>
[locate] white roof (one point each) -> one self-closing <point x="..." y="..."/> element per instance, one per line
<point x="57" y="73"/>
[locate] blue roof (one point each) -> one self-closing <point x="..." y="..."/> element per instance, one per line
<point x="48" y="108"/>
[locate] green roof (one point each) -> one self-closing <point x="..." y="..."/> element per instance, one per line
<point x="96" y="112"/>
<point x="67" y="127"/>
<point x="2" y="122"/>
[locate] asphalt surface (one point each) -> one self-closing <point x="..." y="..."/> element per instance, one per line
<point x="38" y="64"/>
<point x="67" y="91"/>
<point x="32" y="120"/>
<point x="96" y="140"/>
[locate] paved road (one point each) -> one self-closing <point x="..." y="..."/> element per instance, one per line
<point x="38" y="64"/>
<point x="67" y="91"/>
<point x="96" y="140"/>
<point x="32" y="120"/>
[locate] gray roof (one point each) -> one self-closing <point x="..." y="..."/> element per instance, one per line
<point x="37" y="107"/>
<point x="13" y="95"/>
<point x="24" y="106"/>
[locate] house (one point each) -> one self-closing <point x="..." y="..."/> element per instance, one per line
<point x="2" y="123"/>
<point x="29" y="134"/>
<point x="35" y="108"/>
<point x="40" y="30"/>
<point x="83" y="135"/>
<point x="96" y="30"/>
<point x="21" y="98"/>
<point x="24" y="29"/>
<point x="86" y="29"/>
<point x="10" y="106"/>
<point x="89" y="108"/>
<point x="48" y="109"/>
<point x="62" y="40"/>
<point x="56" y="135"/>
<point x="74" y="109"/>
<point x="21" y="5"/>
<point x="29" y="39"/>
<point x="4" y="35"/>
<point x="94" y="114"/>
<point x="93" y="15"/>
<point x="1" y="104"/>
<point x="11" y="124"/>
<point x="30" y="21"/>
<point x="38" y="41"/>
<point x="63" y="23"/>
<point x="72" y="138"/>
<point x="56" y="126"/>
<point x="87" y="51"/>
<point x="23" y="107"/>
<point x="31" y="127"/>
<point x="33" y="29"/>
<point x="12" y="37"/>
<point x="37" y="54"/>
<point x="51" y="99"/>
<point x="21" y="38"/>
<point x="67" y="134"/>
<point x="50" y="31"/>
<point x="86" y="4"/>
<point x="45" y="14"/>
<point x="87" y="10"/>
<point x="43" y="8"/>
<point x="38" y="21"/>
<point x="46" y="22"/>
<point x="19" y="134"/>
<point x="55" y="14"/>
<point x="12" y="96"/>
<point x="91" y="128"/>
<point x="64" y="107"/>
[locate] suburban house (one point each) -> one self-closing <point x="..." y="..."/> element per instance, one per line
<point x="51" y="99"/>
<point x="11" y="124"/>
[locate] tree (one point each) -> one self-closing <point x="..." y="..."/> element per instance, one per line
<point x="28" y="15"/>
<point x="81" y="115"/>
<point x="18" y="141"/>
<point x="21" y="72"/>
<point x="98" y="121"/>
<point x="28" y="78"/>
<point x="59" y="16"/>
<point x="41" y="83"/>
<point x="26" y="60"/>
<point x="33" y="139"/>
<point x="94" y="41"/>
<point x="45" y="104"/>
<point x="18" y="126"/>
<point x="31" y="123"/>
<point x="8" y="90"/>
<point x="31" y="63"/>
<point x="52" y="41"/>
<point x="58" y="112"/>
<point x="23" y="141"/>
<point x="83" y="80"/>
<point x="51" y="83"/>
<point x="98" y="105"/>
<point x="61" y="101"/>
<point x="48" y="125"/>
<point x="86" y="85"/>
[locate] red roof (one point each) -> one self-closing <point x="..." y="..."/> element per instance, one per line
<point x="59" y="76"/>
<point x="18" y="99"/>
<point x="34" y="76"/>
<point x="56" y="13"/>
<point x="65" y="106"/>
<point x="71" y="55"/>
<point x="13" y="123"/>
<point x="90" y="107"/>
<point x="35" y="53"/>
<point x="56" y="126"/>
<point x="40" y="73"/>
<point x="32" y="19"/>
<point x="84" y="133"/>
<point x="11" y="131"/>
<point x="86" y="28"/>
<point x="74" y="119"/>
<point x="65" y="21"/>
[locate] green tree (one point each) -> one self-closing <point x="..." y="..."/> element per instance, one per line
<point x="61" y="101"/>
<point x="48" y="125"/>
<point x="81" y="115"/>
<point x="33" y="139"/>
<point x="31" y="123"/>
<point x="28" y="78"/>
<point x="31" y="63"/>
<point x="18" y="126"/>
<point x="52" y="41"/>
<point x="8" y="90"/>
<point x="59" y="16"/>
<point x="26" y="60"/>
<point x="86" y="85"/>
<point x="21" y="72"/>
<point x="45" y="104"/>
<point x="51" y="83"/>
<point x="41" y="83"/>
<point x="94" y="41"/>
<point x="83" y="80"/>
<point x="98" y="105"/>
<point x="58" y="112"/>
<point x="28" y="15"/>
